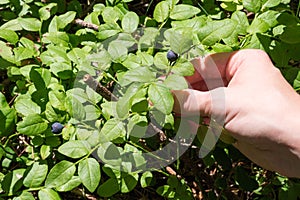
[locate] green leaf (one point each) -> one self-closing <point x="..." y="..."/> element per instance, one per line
<point x="62" y="70"/>
<point x="13" y="25"/>
<point x="66" y="19"/>
<point x="258" y="25"/>
<point x="161" y="11"/>
<point x="140" y="74"/>
<point x="22" y="53"/>
<point x="4" y="2"/>
<point x="6" y="52"/>
<point x="124" y="103"/>
<point x="3" y="102"/>
<point x="30" y="24"/>
<point x="117" y="51"/>
<point x="231" y="6"/>
<point x="75" y="108"/>
<point x="109" y="188"/>
<point x="102" y="59"/>
<point x="55" y="54"/>
<point x="126" y="40"/>
<point x="252" y="5"/>
<point x="45" y="151"/>
<point x="9" y="35"/>
<point x="12" y="181"/>
<point x="140" y="103"/>
<point x="183" y="68"/>
<point x="8" y="117"/>
<point x="26" y="106"/>
<point x="242" y="22"/>
<point x="41" y="78"/>
<point x="77" y="55"/>
<point x="110" y="154"/>
<point x="60" y="174"/>
<point x="92" y="18"/>
<point x="149" y="36"/>
<point x="161" y="60"/>
<point x="194" y="23"/>
<point x="221" y="48"/>
<point x="180" y="39"/>
<point x="57" y="99"/>
<point x="110" y="14"/>
<point x="58" y="38"/>
<point x="92" y="112"/>
<point x="130" y="22"/>
<point x="214" y="31"/>
<point x="54" y="115"/>
<point x="89" y="173"/>
<point x="32" y="125"/>
<point x="291" y="35"/>
<point x="137" y="126"/>
<point x="132" y="61"/>
<point x="270" y="17"/>
<point x="48" y="194"/>
<point x="270" y="4"/>
<point x="146" y="179"/>
<point x="112" y="130"/>
<point x="36" y="175"/>
<point x="176" y="82"/>
<point x="53" y="141"/>
<point x="75" y="148"/>
<point x="146" y="59"/>
<point x="245" y="181"/>
<point x="46" y="11"/>
<point x="132" y="155"/>
<point x="166" y="191"/>
<point x="183" y="11"/>
<point x="128" y="181"/>
<point x="161" y="98"/>
<point x="60" y="22"/>
<point x="25" y="196"/>
<point x="70" y="185"/>
<point x="77" y="93"/>
<point x="107" y="30"/>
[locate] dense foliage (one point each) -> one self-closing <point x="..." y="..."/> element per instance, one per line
<point x="84" y="82"/>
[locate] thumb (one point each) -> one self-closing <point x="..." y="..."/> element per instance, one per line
<point x="205" y="103"/>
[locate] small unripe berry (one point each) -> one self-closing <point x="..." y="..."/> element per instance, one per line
<point x="57" y="127"/>
<point x="172" y="56"/>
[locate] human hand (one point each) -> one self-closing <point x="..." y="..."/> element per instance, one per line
<point x="261" y="110"/>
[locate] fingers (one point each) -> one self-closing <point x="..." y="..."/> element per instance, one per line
<point x="217" y="70"/>
<point x="213" y="74"/>
<point x="210" y="71"/>
<point x="205" y="103"/>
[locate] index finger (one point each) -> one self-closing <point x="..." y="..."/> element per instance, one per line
<point x="210" y="71"/>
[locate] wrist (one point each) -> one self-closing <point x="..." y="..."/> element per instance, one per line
<point x="290" y="137"/>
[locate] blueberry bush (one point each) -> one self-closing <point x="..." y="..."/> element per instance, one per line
<point x="86" y="107"/>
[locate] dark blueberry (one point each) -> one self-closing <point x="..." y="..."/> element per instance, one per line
<point x="172" y="56"/>
<point x="57" y="127"/>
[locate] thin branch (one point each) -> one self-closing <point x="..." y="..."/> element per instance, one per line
<point x="99" y="88"/>
<point x="82" y="23"/>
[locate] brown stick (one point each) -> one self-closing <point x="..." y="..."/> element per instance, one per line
<point x="99" y="88"/>
<point x="82" y="23"/>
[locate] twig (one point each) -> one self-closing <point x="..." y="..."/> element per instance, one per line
<point x="99" y="88"/>
<point x="171" y="171"/>
<point x="12" y="100"/>
<point x="82" y="23"/>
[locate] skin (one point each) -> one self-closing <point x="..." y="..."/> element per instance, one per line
<point x="262" y="110"/>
